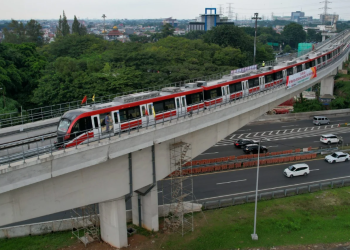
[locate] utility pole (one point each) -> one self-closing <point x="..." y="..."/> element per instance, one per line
<point x="256" y="18"/>
<point x="104" y="25"/>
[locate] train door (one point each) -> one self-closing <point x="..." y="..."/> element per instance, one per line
<point x="180" y="103"/>
<point x="295" y="70"/>
<point x="303" y="66"/>
<point x="225" y="94"/>
<point x="96" y="125"/>
<point x="245" y="88"/>
<point x="284" y="74"/>
<point x="116" y="121"/>
<point x="147" y="114"/>
<point x="262" y="82"/>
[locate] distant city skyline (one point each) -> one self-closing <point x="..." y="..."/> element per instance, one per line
<point x="155" y="9"/>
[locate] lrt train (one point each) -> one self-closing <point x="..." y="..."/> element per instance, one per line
<point x="145" y="108"/>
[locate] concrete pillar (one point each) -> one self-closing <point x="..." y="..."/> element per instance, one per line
<point x="113" y="222"/>
<point x="340" y="67"/>
<point x="327" y="86"/>
<point x="149" y="210"/>
<point x="323" y="38"/>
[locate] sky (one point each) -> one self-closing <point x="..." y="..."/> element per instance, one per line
<point x="152" y="9"/>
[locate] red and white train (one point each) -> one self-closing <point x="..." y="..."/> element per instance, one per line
<point x="143" y="109"/>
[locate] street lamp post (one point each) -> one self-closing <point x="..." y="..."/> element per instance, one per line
<point x="254" y="235"/>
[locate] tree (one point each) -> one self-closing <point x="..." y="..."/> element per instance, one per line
<point x="15" y="33"/>
<point x="293" y="34"/>
<point x="78" y="28"/>
<point x="313" y="36"/>
<point x="34" y="33"/>
<point x="167" y="30"/>
<point x="287" y="49"/>
<point x="65" y="26"/>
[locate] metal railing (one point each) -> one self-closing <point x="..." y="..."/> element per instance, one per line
<point x="49" y="149"/>
<point x="238" y="200"/>
<point x="57" y="110"/>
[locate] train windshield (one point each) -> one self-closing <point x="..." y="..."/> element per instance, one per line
<point x="64" y="125"/>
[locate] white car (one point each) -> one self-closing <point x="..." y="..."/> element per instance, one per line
<point x="330" y="138"/>
<point x="296" y="170"/>
<point x="337" y="157"/>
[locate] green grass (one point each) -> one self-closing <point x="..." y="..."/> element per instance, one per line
<point x="48" y="241"/>
<point x="322" y="217"/>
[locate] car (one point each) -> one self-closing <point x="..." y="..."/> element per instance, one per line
<point x="243" y="142"/>
<point x="297" y="170"/>
<point x="337" y="157"/>
<point x="330" y="138"/>
<point x="253" y="149"/>
<point x="319" y="120"/>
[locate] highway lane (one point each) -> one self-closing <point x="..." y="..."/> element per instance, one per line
<point x="206" y="186"/>
<point x="239" y="182"/>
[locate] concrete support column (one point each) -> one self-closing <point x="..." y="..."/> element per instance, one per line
<point x="327" y="86"/>
<point x="113" y="222"/>
<point x="149" y="209"/>
<point x="323" y="38"/>
<point x="340" y="66"/>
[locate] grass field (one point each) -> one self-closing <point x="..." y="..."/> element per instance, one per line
<point x="322" y="217"/>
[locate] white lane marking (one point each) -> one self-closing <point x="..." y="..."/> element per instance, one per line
<point x="160" y="192"/>
<point x="232" y="137"/>
<point x="288" y="126"/>
<point x="240" y="136"/>
<point x="339" y="120"/>
<point x="319" y="127"/>
<point x="305" y="129"/>
<point x="274" y="188"/>
<point x="229" y="182"/>
<point x="314" y="169"/>
<point x="298" y="129"/>
<point x="332" y="126"/>
<point x="271" y="132"/>
<point x="292" y="130"/>
<point x="312" y="128"/>
<point x="256" y="134"/>
<point x="263" y="133"/>
<point x="209" y="153"/>
<point x="277" y="132"/>
<point x="244" y="130"/>
<point x="272" y="146"/>
<point x="284" y="131"/>
<point x="248" y="135"/>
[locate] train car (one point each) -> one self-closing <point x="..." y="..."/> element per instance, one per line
<point x="146" y="108"/>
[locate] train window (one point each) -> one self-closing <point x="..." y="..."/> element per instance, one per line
<point x="307" y="65"/>
<point x="115" y="117"/>
<point x="278" y="75"/>
<point x="299" y="68"/>
<point x="238" y="87"/>
<point x="328" y="56"/>
<point x="253" y="82"/>
<point x="143" y="110"/>
<point x="169" y="104"/>
<point x="319" y="60"/>
<point x="85" y="124"/>
<point x="213" y="93"/>
<point x="323" y="58"/>
<point x="194" y="98"/>
<point x="75" y="128"/>
<point x="165" y="105"/>
<point x="268" y="78"/>
<point x="129" y="113"/>
<point x="289" y="71"/>
<point x="150" y="111"/>
<point x="63" y="125"/>
<point x="96" y="122"/>
<point x="312" y="63"/>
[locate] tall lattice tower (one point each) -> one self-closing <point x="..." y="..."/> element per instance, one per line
<point x="221" y="9"/>
<point x="325" y="8"/>
<point x="178" y="190"/>
<point x="230" y="11"/>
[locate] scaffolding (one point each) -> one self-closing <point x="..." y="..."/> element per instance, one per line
<point x="178" y="190"/>
<point x="86" y="223"/>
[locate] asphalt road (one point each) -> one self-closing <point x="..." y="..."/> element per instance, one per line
<point x="239" y="182"/>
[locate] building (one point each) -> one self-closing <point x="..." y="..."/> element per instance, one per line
<point x="208" y="20"/>
<point x="295" y="17"/>
<point x="332" y="18"/>
<point x="305" y="19"/>
<point x="171" y="21"/>
<point x="114" y="34"/>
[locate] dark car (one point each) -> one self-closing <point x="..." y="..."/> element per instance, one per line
<point x="243" y="142"/>
<point x="253" y="149"/>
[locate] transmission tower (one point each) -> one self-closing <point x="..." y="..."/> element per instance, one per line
<point x="221" y="9"/>
<point x="325" y="8"/>
<point x="230" y="11"/>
